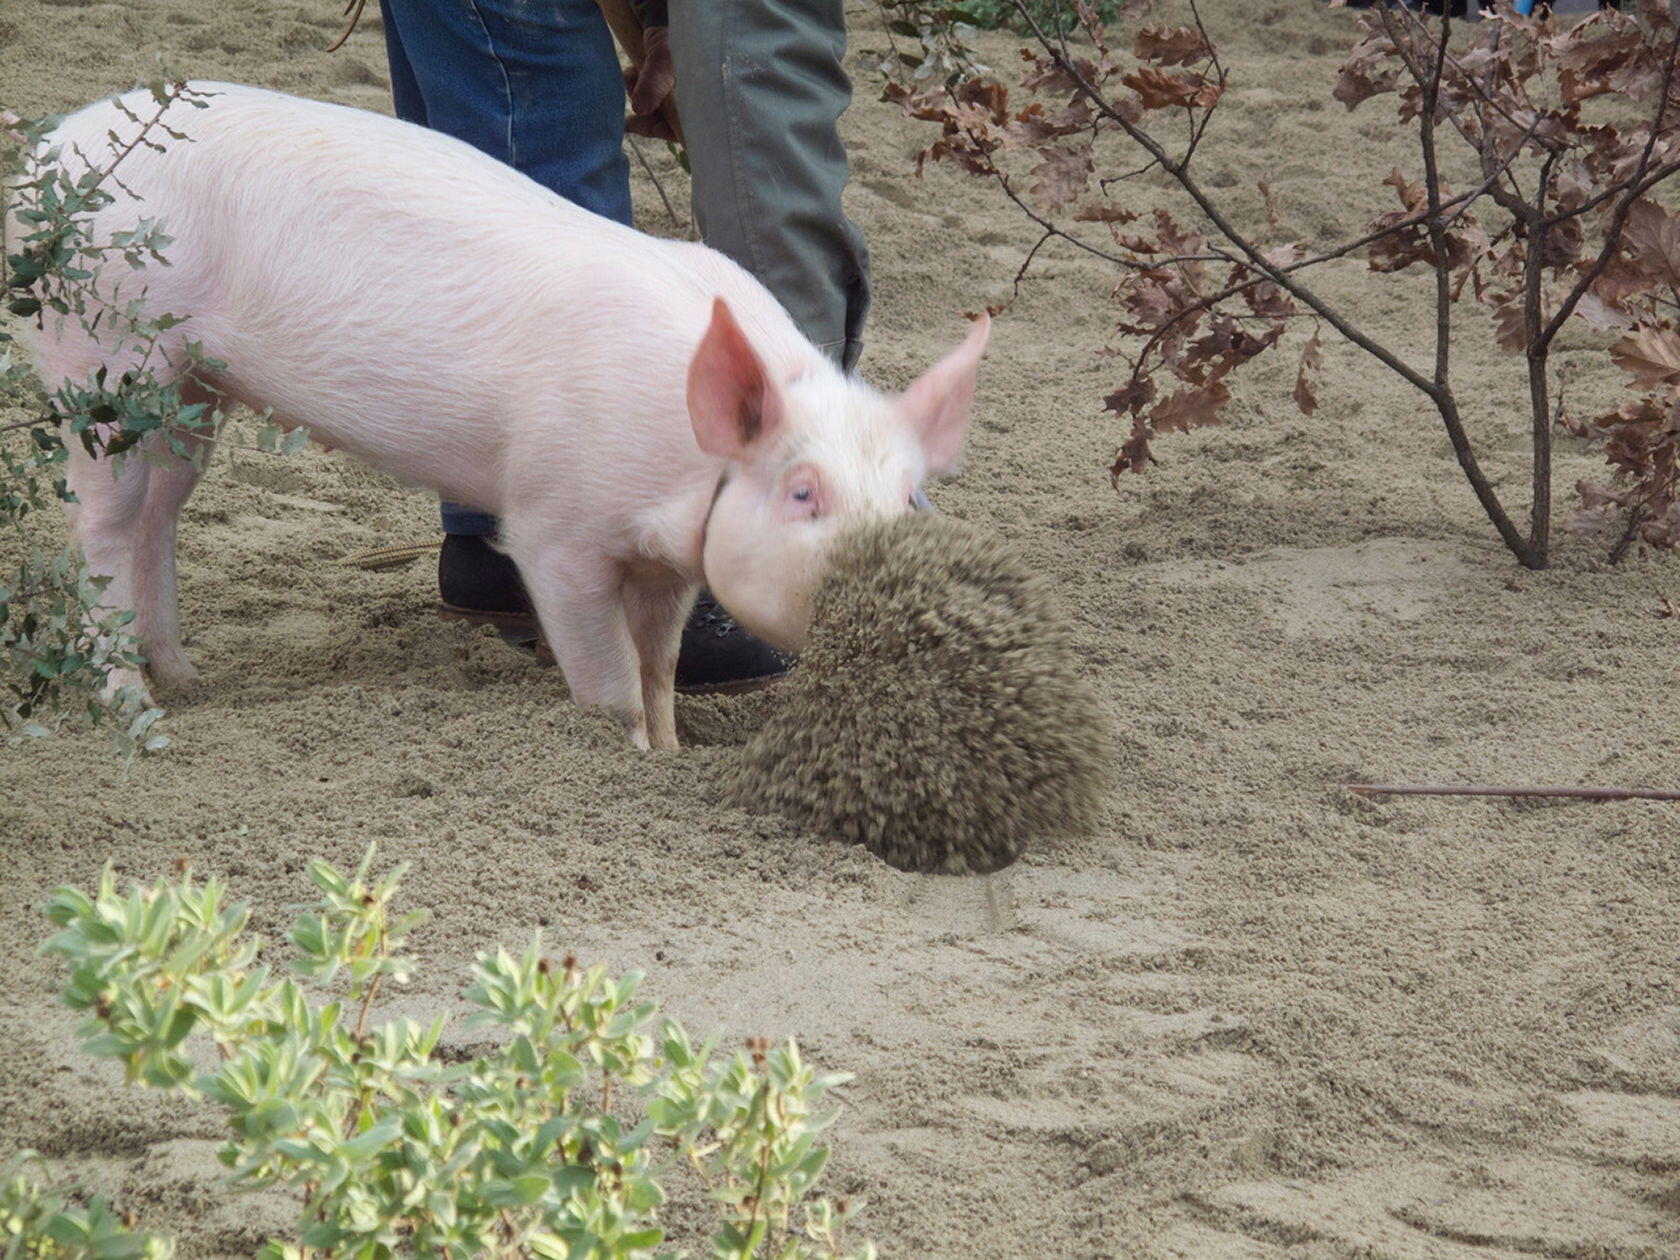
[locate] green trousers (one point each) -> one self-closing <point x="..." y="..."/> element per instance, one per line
<point x="760" y="90"/>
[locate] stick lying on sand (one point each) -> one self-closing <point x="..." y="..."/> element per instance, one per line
<point x="1483" y="789"/>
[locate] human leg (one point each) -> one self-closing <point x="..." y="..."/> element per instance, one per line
<point x="760" y="89"/>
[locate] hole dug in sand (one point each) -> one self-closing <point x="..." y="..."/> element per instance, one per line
<point x="938" y="716"/>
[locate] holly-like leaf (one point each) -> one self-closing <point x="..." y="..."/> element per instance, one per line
<point x="1601" y="315"/>
<point x="1652" y="239"/>
<point x="1063" y="177"/>
<point x="1174" y="239"/>
<point x="1171" y="45"/>
<point x="1371" y="68"/>
<point x="1193" y="408"/>
<point x="1264" y="297"/>
<point x="1135" y="394"/>
<point x="1033" y="127"/>
<point x="1306" y="388"/>
<point x="1509" y="320"/>
<point x="1047" y="75"/>
<point x="1650" y="355"/>
<point x="1413" y="195"/>
<point x="1226" y="347"/>
<point x="1104" y="212"/>
<point x="1157" y="89"/>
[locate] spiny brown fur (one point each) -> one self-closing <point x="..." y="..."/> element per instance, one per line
<point x="938" y="715"/>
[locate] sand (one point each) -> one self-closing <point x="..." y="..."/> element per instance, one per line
<point x="1251" y="1016"/>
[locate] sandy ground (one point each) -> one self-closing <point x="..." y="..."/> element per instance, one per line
<point x="1251" y="1017"/>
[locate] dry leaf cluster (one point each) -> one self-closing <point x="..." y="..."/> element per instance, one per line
<point x="1563" y="222"/>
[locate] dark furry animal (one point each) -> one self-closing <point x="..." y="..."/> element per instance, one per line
<point x="938" y="715"/>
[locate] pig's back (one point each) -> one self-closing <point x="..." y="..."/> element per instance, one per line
<point x="328" y="254"/>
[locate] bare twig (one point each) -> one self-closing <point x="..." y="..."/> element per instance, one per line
<point x="658" y="184"/>
<point x="1481" y="789"/>
<point x="1026" y="262"/>
<point x="1540" y="418"/>
<point x="1437" y="230"/>
<point x="1636" y="518"/>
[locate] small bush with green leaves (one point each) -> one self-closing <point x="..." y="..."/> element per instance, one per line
<point x="556" y="1142"/>
<point x="37" y="1224"/>
<point x="991" y="15"/>
<point x="938" y="52"/>
<point x="58" y="644"/>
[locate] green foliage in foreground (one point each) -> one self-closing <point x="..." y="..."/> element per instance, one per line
<point x="59" y="643"/>
<point x="38" y="1224"/>
<point x="557" y="1142"/>
<point x="1052" y="15"/>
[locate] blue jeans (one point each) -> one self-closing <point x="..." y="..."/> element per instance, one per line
<point x="534" y="85"/>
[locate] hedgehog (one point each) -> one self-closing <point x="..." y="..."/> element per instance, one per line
<point x="937" y="715"/>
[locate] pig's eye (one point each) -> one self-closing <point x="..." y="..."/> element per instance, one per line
<point x="803" y="498"/>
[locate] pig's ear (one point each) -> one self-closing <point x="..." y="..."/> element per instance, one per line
<point x="732" y="401"/>
<point x="938" y="401"/>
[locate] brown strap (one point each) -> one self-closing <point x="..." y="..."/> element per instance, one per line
<point x="353" y="11"/>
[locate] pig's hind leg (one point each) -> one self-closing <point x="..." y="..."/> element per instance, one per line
<point x="579" y="600"/>
<point x="157" y="609"/>
<point x="123" y="517"/>
<point x="104" y="516"/>
<point x="657" y="606"/>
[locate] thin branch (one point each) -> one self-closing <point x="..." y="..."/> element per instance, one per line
<point x="367" y="1005"/>
<point x="1026" y="262"/>
<point x="1462" y="201"/>
<point x="659" y="187"/>
<point x="1657" y="175"/>
<point x="1445" y="404"/>
<point x="1176" y="169"/>
<point x="1636" y="517"/>
<point x="1480" y="789"/>
<point x="177" y="90"/>
<point x="1540" y="419"/>
<point x="1051" y="229"/>
<point x="1437" y="231"/>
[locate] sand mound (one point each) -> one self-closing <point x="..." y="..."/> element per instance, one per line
<point x="938" y="716"/>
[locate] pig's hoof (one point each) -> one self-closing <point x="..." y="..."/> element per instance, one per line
<point x="170" y="669"/>
<point x="130" y="680"/>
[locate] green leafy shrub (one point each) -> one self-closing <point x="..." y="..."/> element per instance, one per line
<point x="58" y="646"/>
<point x="557" y="1142"/>
<point x="37" y="1224"/>
<point x="990" y="15"/>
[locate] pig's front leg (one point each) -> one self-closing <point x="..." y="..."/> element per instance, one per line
<point x="579" y="600"/>
<point x="657" y="605"/>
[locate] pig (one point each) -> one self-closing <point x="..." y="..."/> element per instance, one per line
<point x="641" y="413"/>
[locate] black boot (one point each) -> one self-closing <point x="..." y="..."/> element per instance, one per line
<point x="719" y="657"/>
<point x="478" y="583"/>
